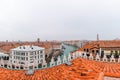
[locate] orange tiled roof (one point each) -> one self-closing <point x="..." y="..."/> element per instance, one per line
<point x="77" y="71"/>
<point x="109" y="69"/>
<point x="112" y="43"/>
<point x="5" y="47"/>
<point x="102" y="44"/>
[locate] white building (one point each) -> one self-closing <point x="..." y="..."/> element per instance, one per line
<point x="28" y="57"/>
<point x="3" y="54"/>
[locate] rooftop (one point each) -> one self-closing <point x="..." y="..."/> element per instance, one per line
<point x="76" y="71"/>
<point x="28" y="48"/>
<point x="7" y="46"/>
<point x="3" y="54"/>
<point x="102" y="44"/>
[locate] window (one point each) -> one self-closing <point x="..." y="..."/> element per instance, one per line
<point x="116" y="51"/>
<point x="31" y="62"/>
<point x="41" y="61"/>
<point x="23" y="54"/>
<point x="41" y="56"/>
<point x="41" y="51"/>
<point x="84" y="49"/>
<point x="22" y="62"/>
<point x="38" y="52"/>
<point x="31" y="53"/>
<point x="14" y="53"/>
<point x="22" y="58"/>
<point x="97" y="51"/>
<point x="102" y="52"/>
<point x="111" y="51"/>
<point x="87" y="50"/>
<point x="26" y="58"/>
<point x="31" y="57"/>
<point x="17" y="53"/>
<point x="18" y="57"/>
<point x="14" y="57"/>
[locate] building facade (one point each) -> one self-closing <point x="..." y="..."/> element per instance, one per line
<point x="107" y="47"/>
<point x="27" y="56"/>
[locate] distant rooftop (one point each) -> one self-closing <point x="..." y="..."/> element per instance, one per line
<point x="28" y="48"/>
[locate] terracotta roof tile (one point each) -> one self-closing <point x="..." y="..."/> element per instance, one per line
<point x="77" y="71"/>
<point x="101" y="44"/>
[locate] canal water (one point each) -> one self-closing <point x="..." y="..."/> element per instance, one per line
<point x="67" y="49"/>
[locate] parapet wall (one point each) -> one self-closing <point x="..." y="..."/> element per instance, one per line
<point x="63" y="60"/>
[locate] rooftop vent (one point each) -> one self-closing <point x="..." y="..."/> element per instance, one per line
<point x="30" y="72"/>
<point x="68" y="63"/>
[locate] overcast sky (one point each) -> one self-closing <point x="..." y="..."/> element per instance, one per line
<point x="59" y="19"/>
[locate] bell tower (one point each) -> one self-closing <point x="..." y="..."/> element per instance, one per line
<point x="38" y="40"/>
<point x="97" y="37"/>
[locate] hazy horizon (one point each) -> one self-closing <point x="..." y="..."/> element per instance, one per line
<point x="27" y="20"/>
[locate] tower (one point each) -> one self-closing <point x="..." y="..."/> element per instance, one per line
<point x="38" y="40"/>
<point x="97" y="37"/>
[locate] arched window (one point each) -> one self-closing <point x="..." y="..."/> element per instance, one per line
<point x="84" y="49"/>
<point x="97" y="51"/>
<point x="87" y="50"/>
<point x="111" y="51"/>
<point x="103" y="52"/>
<point x="116" y="52"/>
